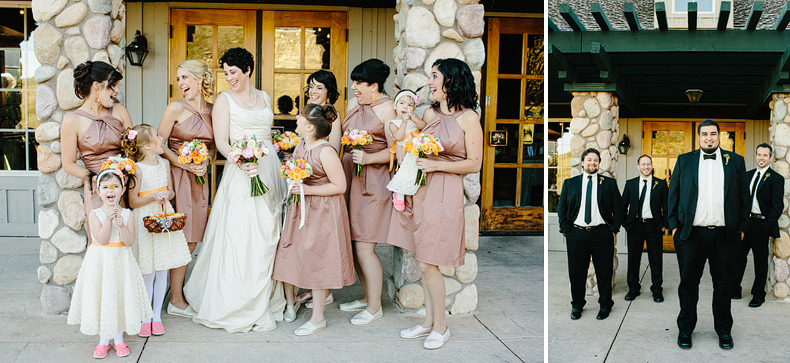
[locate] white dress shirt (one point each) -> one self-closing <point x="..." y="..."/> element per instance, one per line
<point x="710" y="196"/>
<point x="646" y="212"/>
<point x="755" y="205"/>
<point x="596" y="214"/>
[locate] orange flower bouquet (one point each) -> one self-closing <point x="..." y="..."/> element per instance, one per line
<point x="118" y="162"/>
<point x="421" y="146"/>
<point x="356" y="139"/>
<point x="194" y="152"/>
<point x="296" y="170"/>
<point x="285" y="142"/>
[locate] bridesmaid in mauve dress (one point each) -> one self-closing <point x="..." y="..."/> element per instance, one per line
<point x="183" y="121"/>
<point x="93" y="130"/>
<point x="369" y="205"/>
<point x="432" y="225"/>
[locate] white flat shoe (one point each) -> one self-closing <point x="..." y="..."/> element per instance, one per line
<point x="175" y="310"/>
<point x="355" y="305"/>
<point x="364" y="317"/>
<point x="436" y="340"/>
<point x="414" y="332"/>
<point x="309" y="328"/>
<point x="290" y="312"/>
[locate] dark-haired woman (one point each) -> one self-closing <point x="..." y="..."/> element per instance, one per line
<point x="369" y="205"/>
<point x="433" y="223"/>
<point x="94" y="130"/>
<point x="231" y="285"/>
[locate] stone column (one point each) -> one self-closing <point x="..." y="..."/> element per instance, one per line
<point x="69" y="33"/>
<point x="427" y="30"/>
<point x="779" y="248"/>
<point x="595" y="125"/>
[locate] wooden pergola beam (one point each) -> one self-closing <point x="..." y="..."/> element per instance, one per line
<point x="661" y="15"/>
<point x="600" y="17"/>
<point x="570" y="17"/>
<point x="608" y="73"/>
<point x="566" y="70"/>
<point x="629" y="11"/>
<point x="724" y="15"/>
<point x="692" y="15"/>
<point x="784" y="18"/>
<point x="754" y="15"/>
<point x="780" y="75"/>
<point x="553" y="27"/>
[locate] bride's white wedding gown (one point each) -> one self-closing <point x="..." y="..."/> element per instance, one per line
<point x="231" y="285"/>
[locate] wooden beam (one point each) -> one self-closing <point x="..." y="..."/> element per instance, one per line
<point x="784" y="18"/>
<point x="600" y="17"/>
<point x="754" y="15"/>
<point x="631" y="16"/>
<point x="553" y="27"/>
<point x="567" y="71"/>
<point x="661" y="15"/>
<point x="608" y="73"/>
<point x="724" y="15"/>
<point x="691" y="15"/>
<point x="779" y="76"/>
<point x="702" y="40"/>
<point x="570" y="17"/>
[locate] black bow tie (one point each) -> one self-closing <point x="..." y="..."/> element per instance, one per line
<point x="706" y="156"/>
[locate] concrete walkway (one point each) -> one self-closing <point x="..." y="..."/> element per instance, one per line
<point x="506" y="327"/>
<point x="645" y="331"/>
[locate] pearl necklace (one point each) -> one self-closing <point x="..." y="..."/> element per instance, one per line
<point x="254" y="99"/>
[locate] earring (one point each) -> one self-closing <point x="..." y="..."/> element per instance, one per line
<point x="96" y="97"/>
<point x="374" y="98"/>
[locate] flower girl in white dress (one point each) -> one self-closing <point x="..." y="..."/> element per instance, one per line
<point x="407" y="125"/>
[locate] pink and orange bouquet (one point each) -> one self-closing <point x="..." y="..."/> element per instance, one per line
<point x="421" y="146"/>
<point x="125" y="165"/>
<point x="356" y="139"/>
<point x="249" y="150"/>
<point x="286" y="142"/>
<point x="296" y="170"/>
<point x="194" y="152"/>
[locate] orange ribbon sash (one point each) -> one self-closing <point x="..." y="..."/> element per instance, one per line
<point x="109" y="244"/>
<point x="152" y="191"/>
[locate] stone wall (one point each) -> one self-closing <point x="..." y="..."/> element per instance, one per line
<point x="595" y="125"/>
<point x="427" y="30"/>
<point x="69" y="33"/>
<point x="779" y="248"/>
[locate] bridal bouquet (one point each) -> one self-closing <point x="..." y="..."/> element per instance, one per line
<point x="125" y="165"/>
<point x="421" y="146"/>
<point x="194" y="152"/>
<point x="296" y="170"/>
<point x="249" y="150"/>
<point x="356" y="139"/>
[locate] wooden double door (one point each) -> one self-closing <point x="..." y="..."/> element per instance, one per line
<point x="664" y="141"/>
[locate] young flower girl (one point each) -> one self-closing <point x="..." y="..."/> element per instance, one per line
<point x="318" y="255"/>
<point x="156" y="252"/>
<point x="109" y="296"/>
<point x="407" y="125"/>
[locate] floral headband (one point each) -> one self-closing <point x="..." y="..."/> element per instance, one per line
<point x="115" y="171"/>
<point x="410" y="94"/>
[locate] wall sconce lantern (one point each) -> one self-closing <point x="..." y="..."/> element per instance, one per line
<point x="137" y="51"/>
<point x="694" y="95"/>
<point x="624" y="144"/>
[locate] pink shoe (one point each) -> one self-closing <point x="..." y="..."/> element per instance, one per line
<point x="100" y="351"/>
<point x="121" y="349"/>
<point x="416" y="331"/>
<point x="400" y="204"/>
<point x="157" y="328"/>
<point x="145" y="330"/>
<point x="329" y="299"/>
<point x="303" y="298"/>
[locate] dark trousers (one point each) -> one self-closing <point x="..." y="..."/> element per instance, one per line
<point x="598" y="244"/>
<point x="637" y="235"/>
<point x="756" y="240"/>
<point x="711" y="245"/>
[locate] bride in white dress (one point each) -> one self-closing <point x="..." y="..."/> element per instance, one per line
<point x="231" y="285"/>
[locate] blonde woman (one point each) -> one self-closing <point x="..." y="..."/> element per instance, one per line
<point x="183" y="121"/>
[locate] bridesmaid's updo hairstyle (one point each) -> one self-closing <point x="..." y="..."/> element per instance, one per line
<point x="326" y="78"/>
<point x="238" y="57"/>
<point x="321" y="117"/>
<point x="459" y="84"/>
<point x="134" y="138"/>
<point x="87" y="73"/>
<point x="202" y="73"/>
<point x="372" y="71"/>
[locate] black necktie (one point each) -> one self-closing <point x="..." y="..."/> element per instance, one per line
<point x="706" y="156"/>
<point x="642" y="199"/>
<point x="754" y="184"/>
<point x="588" y="202"/>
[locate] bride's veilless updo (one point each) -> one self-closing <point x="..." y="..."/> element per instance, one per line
<point x="202" y="73"/>
<point x="238" y="57"/>
<point x="87" y="73"/>
<point x="321" y="117"/>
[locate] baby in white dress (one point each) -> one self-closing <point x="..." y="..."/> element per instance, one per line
<point x="405" y="126"/>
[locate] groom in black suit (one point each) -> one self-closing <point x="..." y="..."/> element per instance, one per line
<point x="645" y="210"/>
<point x="590" y="213"/>
<point x="708" y="214"/>
<point x="766" y="189"/>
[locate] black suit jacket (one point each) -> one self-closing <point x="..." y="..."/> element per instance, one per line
<point x="684" y="187"/>
<point x="770" y="192"/>
<point x="609" y="202"/>
<point x="658" y="202"/>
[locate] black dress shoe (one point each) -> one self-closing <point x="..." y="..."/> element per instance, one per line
<point x="736" y="296"/>
<point x="756" y="303"/>
<point x="658" y="297"/>
<point x="631" y="295"/>
<point x="684" y="341"/>
<point x="576" y="313"/>
<point x="725" y="341"/>
<point x="603" y="314"/>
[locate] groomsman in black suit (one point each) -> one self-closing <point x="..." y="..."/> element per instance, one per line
<point x="708" y="214"/>
<point x="590" y="213"/>
<point x="645" y="210"/>
<point x="766" y="189"/>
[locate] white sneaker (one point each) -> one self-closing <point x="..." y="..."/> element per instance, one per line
<point x="364" y="317"/>
<point x="290" y="312"/>
<point x="309" y="328"/>
<point x="436" y="340"/>
<point x="355" y="305"/>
